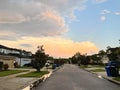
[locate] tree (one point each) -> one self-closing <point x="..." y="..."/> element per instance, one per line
<point x="76" y="58"/>
<point x="85" y="60"/>
<point x="60" y="61"/>
<point x="96" y="58"/>
<point x="113" y="54"/>
<point x="102" y="53"/>
<point x="16" y="65"/>
<point x="40" y="58"/>
<point x="80" y="59"/>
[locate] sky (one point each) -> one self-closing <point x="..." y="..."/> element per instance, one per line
<point x="63" y="27"/>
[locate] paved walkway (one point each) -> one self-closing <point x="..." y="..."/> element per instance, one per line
<point x="12" y="82"/>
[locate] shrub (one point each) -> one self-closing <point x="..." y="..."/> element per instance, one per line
<point x="16" y="65"/>
<point x="1" y="66"/>
<point x="6" y="66"/>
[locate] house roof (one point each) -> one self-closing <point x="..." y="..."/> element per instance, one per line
<point x="14" y="49"/>
<point x="4" y="47"/>
<point x="114" y="49"/>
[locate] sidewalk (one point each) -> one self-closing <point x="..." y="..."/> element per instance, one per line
<point x="11" y="82"/>
<point x="102" y="75"/>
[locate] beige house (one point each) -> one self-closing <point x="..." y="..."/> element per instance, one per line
<point x="7" y="60"/>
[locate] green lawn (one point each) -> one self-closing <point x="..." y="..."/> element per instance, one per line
<point x="10" y="72"/>
<point x="25" y="67"/>
<point x="82" y="66"/>
<point x="92" y="66"/>
<point x="97" y="66"/>
<point x="117" y="78"/>
<point x="34" y="74"/>
<point x="97" y="70"/>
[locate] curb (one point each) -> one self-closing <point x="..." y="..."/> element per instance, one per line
<point x="37" y="82"/>
<point x="40" y="80"/>
<point x="111" y="80"/>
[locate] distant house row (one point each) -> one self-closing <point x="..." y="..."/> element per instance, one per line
<point x="11" y="55"/>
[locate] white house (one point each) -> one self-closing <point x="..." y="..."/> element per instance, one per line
<point x="21" y="56"/>
<point x="23" y="61"/>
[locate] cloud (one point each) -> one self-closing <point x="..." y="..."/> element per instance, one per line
<point x="37" y="17"/>
<point x="47" y="23"/>
<point x="100" y="1"/>
<point x="105" y="11"/>
<point x="7" y="35"/>
<point x="54" y="17"/>
<point x="7" y="18"/>
<point x="26" y="45"/>
<point x="103" y="18"/>
<point x="55" y="46"/>
<point x="117" y="13"/>
<point x="25" y="24"/>
<point x="65" y="7"/>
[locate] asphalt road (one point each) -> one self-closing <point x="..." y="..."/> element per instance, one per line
<point x="70" y="77"/>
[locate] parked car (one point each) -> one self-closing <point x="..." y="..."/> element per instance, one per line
<point x="28" y="65"/>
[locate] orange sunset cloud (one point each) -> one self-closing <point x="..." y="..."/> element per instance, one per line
<point x="56" y="47"/>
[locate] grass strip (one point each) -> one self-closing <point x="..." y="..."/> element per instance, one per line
<point x="97" y="70"/>
<point x="92" y="66"/>
<point x="96" y="66"/>
<point x="117" y="78"/>
<point x="10" y="72"/>
<point x="34" y="74"/>
<point x="84" y="66"/>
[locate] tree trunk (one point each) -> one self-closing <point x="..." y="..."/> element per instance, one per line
<point x="38" y="69"/>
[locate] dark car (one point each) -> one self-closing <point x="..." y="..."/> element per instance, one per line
<point x="28" y="65"/>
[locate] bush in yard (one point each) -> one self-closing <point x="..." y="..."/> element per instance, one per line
<point x="6" y="66"/>
<point x="1" y="66"/>
<point x="16" y="65"/>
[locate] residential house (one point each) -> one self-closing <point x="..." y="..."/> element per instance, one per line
<point x="21" y="56"/>
<point x="7" y="60"/>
